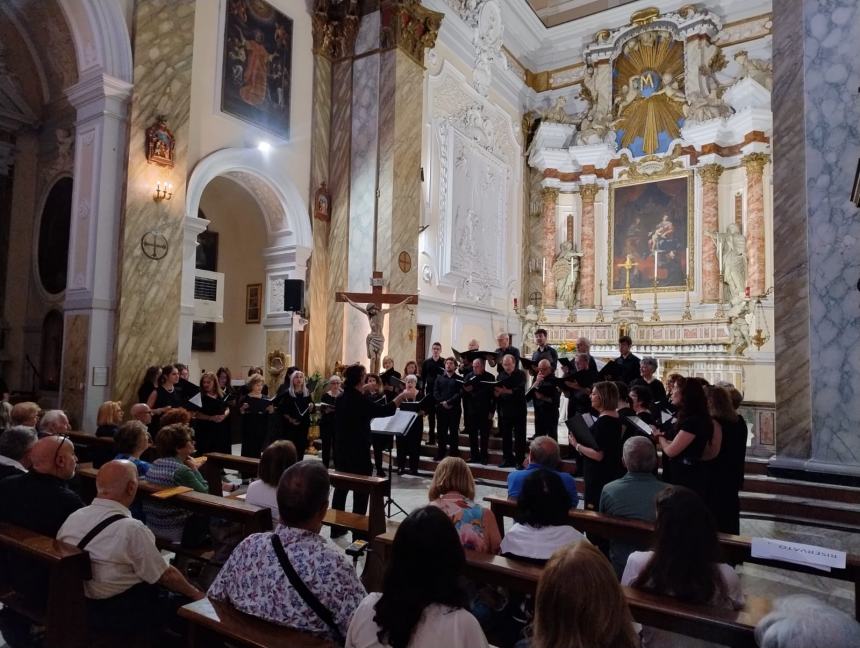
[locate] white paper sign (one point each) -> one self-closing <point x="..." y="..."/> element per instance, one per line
<point x="802" y="554"/>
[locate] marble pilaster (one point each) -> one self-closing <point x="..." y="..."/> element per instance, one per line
<point x="149" y="300"/>
<point x="587" y="269"/>
<point x="710" y="175"/>
<point x="549" y="208"/>
<point x="754" y="164"/>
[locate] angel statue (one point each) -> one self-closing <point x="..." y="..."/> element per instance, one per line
<point x="565" y="271"/>
<point x="376" y="318"/>
<point x="756" y="69"/>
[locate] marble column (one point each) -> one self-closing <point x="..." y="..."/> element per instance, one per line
<point x="549" y="209"/>
<point x="586" y="278"/>
<point x="90" y="300"/>
<point x="710" y="175"/>
<point x="757" y="279"/>
<point x="150" y="290"/>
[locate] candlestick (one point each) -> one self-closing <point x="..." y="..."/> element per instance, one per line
<point x="543" y="271"/>
<point x="600" y="317"/>
<point x="655" y="315"/>
<point x="687" y="314"/>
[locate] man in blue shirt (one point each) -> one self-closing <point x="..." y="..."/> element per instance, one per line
<point x="543" y="455"/>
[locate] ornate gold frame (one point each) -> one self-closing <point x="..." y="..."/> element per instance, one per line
<point x="691" y="222"/>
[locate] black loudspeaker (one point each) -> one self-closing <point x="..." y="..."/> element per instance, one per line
<point x="294" y="295"/>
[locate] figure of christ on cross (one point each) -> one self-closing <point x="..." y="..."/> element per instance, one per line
<point x="375" y="314"/>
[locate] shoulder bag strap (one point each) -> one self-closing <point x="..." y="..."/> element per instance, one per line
<point x="101" y="526"/>
<point x="309" y="597"/>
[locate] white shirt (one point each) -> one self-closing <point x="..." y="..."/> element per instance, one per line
<point x="440" y="625"/>
<point x="122" y="555"/>
<point x="538" y="543"/>
<point x="262" y="495"/>
<point x="654" y="638"/>
<point x="7" y="461"/>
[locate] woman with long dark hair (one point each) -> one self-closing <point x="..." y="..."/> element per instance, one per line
<point x="166" y="396"/>
<point x="684" y="564"/>
<point x="149" y="384"/>
<point x="727" y="474"/>
<point x="422" y="604"/>
<point x="688" y="448"/>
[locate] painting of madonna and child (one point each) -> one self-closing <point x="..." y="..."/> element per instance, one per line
<point x="650" y="222"/>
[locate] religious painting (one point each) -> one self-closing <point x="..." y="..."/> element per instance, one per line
<point x="253" y="303"/>
<point x="203" y="337"/>
<point x="160" y="143"/>
<point x="651" y="224"/>
<point x="257" y="68"/>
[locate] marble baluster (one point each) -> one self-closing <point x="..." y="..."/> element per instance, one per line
<point x="710" y="175"/>
<point x="586" y="277"/>
<point x="549" y="207"/>
<point x="754" y="164"/>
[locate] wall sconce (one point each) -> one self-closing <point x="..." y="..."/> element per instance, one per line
<point x="162" y="192"/>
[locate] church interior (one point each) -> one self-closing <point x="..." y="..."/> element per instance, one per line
<point x="250" y="190"/>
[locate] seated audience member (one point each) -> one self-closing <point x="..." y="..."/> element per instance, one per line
<point x="131" y="441"/>
<point x="41" y="501"/>
<point x="128" y="570"/>
<point x="543" y="455"/>
<point x="254" y="581"/>
<point x="174" y="415"/>
<point x="108" y="419"/>
<point x="800" y="621"/>
<point x="175" y="467"/>
<point x="579" y="603"/>
<point x="453" y="491"/>
<point x="53" y="422"/>
<point x="279" y="456"/>
<point x="141" y="412"/>
<point x="541" y="526"/>
<point x="15" y="446"/>
<point x="26" y="413"/>
<point x="685" y="563"/>
<point x="426" y="551"/>
<point x="5" y="416"/>
<point x="632" y="496"/>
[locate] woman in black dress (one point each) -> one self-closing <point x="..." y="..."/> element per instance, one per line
<point x="295" y="409"/>
<point x="210" y="418"/>
<point x="603" y="463"/>
<point x="328" y="402"/>
<point x="685" y="451"/>
<point x="165" y="397"/>
<point x="408" y="446"/>
<point x="254" y="412"/>
<point x="149" y="384"/>
<point x="647" y="370"/>
<point x="375" y="393"/>
<point x="727" y="473"/>
<point x="389" y="379"/>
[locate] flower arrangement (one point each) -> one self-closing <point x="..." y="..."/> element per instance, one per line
<point x="566" y="347"/>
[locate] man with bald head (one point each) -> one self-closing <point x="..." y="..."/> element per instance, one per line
<point x="127" y="568"/>
<point x="40" y="499"/>
<point x="547" y="398"/>
<point x="141" y="412"/>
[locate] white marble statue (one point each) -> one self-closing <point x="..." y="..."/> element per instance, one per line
<point x="732" y="256"/>
<point x="758" y="70"/>
<point x="596" y="128"/>
<point x="556" y="113"/>
<point x="529" y="325"/>
<point x="565" y="273"/>
<point x="739" y="327"/>
<point x="705" y="102"/>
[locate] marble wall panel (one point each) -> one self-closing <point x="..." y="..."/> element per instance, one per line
<point x="74" y="379"/>
<point x="832" y="75"/>
<point x="338" y="240"/>
<point x="149" y="305"/>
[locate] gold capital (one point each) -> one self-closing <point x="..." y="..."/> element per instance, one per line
<point x="710" y="173"/>
<point x="410" y="26"/>
<point x="549" y="195"/>
<point x="755" y="162"/>
<point x="588" y="192"/>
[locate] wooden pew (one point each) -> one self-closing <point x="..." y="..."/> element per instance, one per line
<point x="211" y="622"/>
<point x="376" y="487"/>
<point x="730" y="627"/>
<point x="736" y="549"/>
<point x="64" y="613"/>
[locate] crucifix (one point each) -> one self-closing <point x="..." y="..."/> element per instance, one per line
<point x="628" y="265"/>
<point x="375" y="313"/>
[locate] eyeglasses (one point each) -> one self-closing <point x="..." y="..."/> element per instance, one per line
<point x="63" y="439"/>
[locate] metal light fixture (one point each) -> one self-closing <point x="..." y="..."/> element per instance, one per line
<point x="162" y="191"/>
<point x="762" y="333"/>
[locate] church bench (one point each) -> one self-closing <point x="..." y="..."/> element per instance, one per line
<point x="730" y="627"/>
<point x="90" y="448"/>
<point x="375" y="487"/>
<point x="64" y="612"/>
<point x="736" y="549"/>
<point x="211" y="623"/>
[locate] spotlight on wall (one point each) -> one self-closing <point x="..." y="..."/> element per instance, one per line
<point x="162" y="191"/>
<point x="264" y="147"/>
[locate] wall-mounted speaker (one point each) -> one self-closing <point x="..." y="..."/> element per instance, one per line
<point x="294" y="295"/>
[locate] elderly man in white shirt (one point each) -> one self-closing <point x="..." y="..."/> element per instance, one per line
<point x="127" y="568"/>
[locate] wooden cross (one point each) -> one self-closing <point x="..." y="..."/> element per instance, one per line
<point x="376" y="298"/>
<point x="628" y="265"/>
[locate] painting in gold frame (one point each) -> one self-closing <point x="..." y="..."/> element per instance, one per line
<point x="253" y="303"/>
<point x="652" y="221"/>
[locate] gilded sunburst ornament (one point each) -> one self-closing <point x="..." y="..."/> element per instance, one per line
<point x="648" y="92"/>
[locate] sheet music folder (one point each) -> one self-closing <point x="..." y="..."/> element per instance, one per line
<point x="581" y="431"/>
<point x="396" y="425"/>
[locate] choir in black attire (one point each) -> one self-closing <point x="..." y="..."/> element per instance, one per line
<point x="511" y="406"/>
<point x="480" y="397"/>
<point x="431" y="368"/>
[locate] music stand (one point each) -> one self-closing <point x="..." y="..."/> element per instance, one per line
<point x="394" y="426"/>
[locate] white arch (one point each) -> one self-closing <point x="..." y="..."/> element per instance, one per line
<point x="101" y="37"/>
<point x="293" y="228"/>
